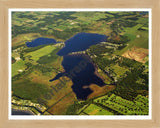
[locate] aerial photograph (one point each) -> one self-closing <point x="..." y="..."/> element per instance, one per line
<point x="81" y="63"/>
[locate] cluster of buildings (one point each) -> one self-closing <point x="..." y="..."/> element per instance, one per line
<point x="21" y="104"/>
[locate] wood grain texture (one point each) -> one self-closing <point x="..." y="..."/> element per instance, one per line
<point x="6" y="4"/>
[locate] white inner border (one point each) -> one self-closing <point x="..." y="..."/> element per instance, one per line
<point x="78" y="117"/>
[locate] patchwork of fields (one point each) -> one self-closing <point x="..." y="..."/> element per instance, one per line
<point x="122" y="62"/>
<point x="108" y="105"/>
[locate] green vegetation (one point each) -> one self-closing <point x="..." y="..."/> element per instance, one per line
<point x="29" y="90"/>
<point x="123" y="106"/>
<point x="46" y="59"/>
<point x="98" y="50"/>
<point x="35" y="55"/>
<point x="18" y="67"/>
<point x="132" y="29"/>
<point x="95" y="110"/>
<point x="112" y="104"/>
<point x="117" y="71"/>
<point x="32" y="68"/>
<point x="128" y="87"/>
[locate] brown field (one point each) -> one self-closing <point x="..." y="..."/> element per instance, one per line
<point x="62" y="105"/>
<point x="60" y="93"/>
<point x="59" y="29"/>
<point x="137" y="54"/>
<point x="97" y="91"/>
<point x="38" y="77"/>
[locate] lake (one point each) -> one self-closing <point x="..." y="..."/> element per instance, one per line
<point x="40" y="41"/>
<point x="78" y="67"/>
<point x="81" y="42"/>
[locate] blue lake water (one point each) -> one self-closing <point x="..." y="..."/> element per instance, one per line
<point x="81" y="71"/>
<point x="81" y="42"/>
<point x="40" y="41"/>
<point x="79" y="68"/>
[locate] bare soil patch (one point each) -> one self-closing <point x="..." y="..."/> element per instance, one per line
<point x="136" y="53"/>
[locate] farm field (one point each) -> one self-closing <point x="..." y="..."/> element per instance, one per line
<point x="125" y="107"/>
<point x="139" y="40"/>
<point x="35" y="55"/>
<point x="95" y="110"/>
<point x="18" y="67"/>
<point x="62" y="104"/>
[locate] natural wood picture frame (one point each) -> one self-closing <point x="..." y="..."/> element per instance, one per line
<point x="4" y="11"/>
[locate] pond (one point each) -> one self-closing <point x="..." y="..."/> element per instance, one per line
<point x="40" y="41"/>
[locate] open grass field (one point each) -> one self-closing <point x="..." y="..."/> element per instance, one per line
<point x="141" y="41"/>
<point x="52" y="60"/>
<point x="18" y="67"/>
<point x="35" y="55"/>
<point x="132" y="30"/>
<point x="130" y="36"/>
<point x="96" y="110"/>
<point x="138" y="38"/>
<point x="142" y="20"/>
